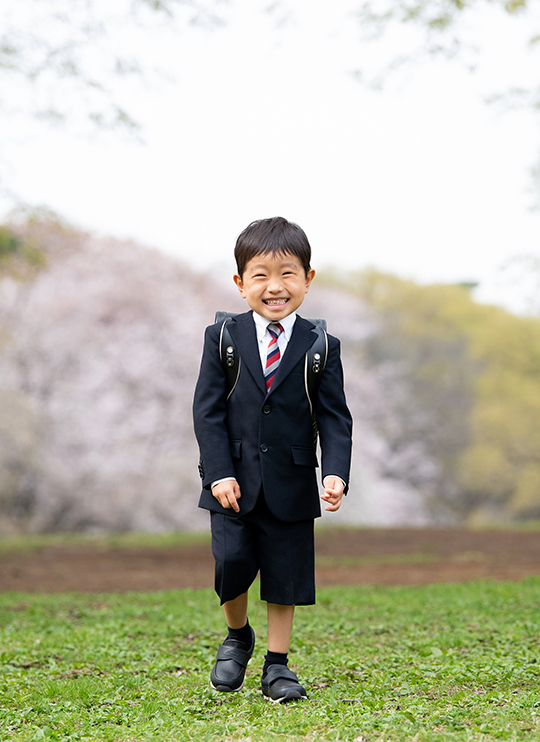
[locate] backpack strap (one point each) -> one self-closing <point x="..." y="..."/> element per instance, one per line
<point x="228" y="355"/>
<point x="314" y="363"/>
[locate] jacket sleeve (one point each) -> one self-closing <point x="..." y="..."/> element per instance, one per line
<point x="334" y="420"/>
<point x="210" y="414"/>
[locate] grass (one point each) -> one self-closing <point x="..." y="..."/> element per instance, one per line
<point x="133" y="539"/>
<point x="105" y="541"/>
<point x="33" y="542"/>
<point x="442" y="662"/>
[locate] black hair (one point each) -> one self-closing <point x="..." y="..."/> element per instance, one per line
<point x="276" y="236"/>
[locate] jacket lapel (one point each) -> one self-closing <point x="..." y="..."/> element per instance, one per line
<point x="243" y="332"/>
<point x="301" y="340"/>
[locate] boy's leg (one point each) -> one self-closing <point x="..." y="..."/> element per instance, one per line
<point x="236" y="568"/>
<point x="286" y="557"/>
<point x="236" y="611"/>
<point x="235" y="652"/>
<point x="280" y="621"/>
<point x="278" y="683"/>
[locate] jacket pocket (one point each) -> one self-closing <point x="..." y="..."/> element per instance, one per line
<point x="236" y="449"/>
<point x="304" y="457"/>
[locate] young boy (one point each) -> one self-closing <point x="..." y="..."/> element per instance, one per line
<point x="257" y="454"/>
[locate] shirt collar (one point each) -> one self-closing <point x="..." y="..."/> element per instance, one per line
<point x="261" y="323"/>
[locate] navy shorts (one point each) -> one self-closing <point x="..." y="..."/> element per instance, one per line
<point x="282" y="552"/>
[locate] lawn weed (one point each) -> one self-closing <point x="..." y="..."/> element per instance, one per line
<point x="423" y="664"/>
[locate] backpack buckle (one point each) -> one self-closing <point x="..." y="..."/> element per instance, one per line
<point x="229" y="356"/>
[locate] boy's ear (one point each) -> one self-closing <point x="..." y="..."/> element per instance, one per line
<point x="310" y="275"/>
<point x="239" y="283"/>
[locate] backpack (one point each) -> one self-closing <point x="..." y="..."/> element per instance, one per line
<point x="314" y="363"/>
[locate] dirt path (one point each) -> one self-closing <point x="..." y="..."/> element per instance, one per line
<point x="346" y="557"/>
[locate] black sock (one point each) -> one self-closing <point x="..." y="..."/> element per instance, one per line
<point x="274" y="658"/>
<point x="242" y="635"/>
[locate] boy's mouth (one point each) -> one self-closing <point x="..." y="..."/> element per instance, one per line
<point x="275" y="302"/>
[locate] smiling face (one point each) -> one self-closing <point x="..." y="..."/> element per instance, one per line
<point x="274" y="285"/>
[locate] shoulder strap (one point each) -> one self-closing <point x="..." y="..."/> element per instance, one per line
<point x="314" y="364"/>
<point x="228" y="355"/>
<point x="224" y="315"/>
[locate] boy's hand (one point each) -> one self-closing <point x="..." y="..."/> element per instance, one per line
<point x="227" y="493"/>
<point x="333" y="492"/>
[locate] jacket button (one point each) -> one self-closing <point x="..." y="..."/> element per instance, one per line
<point x="264" y="447"/>
<point x="266" y="409"/>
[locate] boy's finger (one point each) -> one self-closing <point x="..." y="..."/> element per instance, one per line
<point x="233" y="504"/>
<point x="333" y="508"/>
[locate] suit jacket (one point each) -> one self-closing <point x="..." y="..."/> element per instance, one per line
<point x="266" y="440"/>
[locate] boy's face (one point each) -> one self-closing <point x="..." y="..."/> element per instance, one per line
<point x="274" y="285"/>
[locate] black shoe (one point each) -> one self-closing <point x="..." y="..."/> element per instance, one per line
<point x="231" y="662"/>
<point x="279" y="684"/>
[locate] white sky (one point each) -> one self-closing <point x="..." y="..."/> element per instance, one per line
<point x="421" y="179"/>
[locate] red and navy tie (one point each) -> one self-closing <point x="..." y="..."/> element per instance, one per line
<point x="273" y="355"/>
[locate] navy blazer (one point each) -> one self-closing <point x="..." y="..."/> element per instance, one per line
<point x="266" y="439"/>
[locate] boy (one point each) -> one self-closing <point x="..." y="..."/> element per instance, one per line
<point x="258" y="456"/>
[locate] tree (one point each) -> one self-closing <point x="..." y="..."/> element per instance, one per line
<point x="59" y="58"/>
<point x="98" y="363"/>
<point x="462" y="397"/>
<point x="446" y="27"/>
<point x="468" y="32"/>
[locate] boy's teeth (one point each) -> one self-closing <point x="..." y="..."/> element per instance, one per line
<point x="276" y="301"/>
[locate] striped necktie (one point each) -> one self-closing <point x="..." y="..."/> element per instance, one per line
<point x="273" y="355"/>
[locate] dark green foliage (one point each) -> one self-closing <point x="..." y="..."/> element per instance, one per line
<point x="9" y="242"/>
<point x="13" y="248"/>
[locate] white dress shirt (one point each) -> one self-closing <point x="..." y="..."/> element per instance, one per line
<point x="264" y="336"/>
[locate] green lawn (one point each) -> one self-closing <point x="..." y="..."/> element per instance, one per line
<point x="105" y="541"/>
<point x="444" y="662"/>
